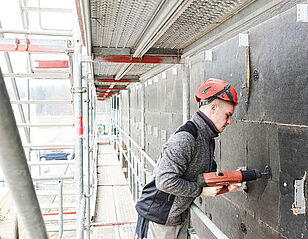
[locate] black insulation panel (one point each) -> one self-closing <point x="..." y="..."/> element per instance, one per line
<point x="270" y="130"/>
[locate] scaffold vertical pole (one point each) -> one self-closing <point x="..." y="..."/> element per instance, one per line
<point x="186" y="90"/>
<point x="60" y="211"/>
<point x="87" y="158"/>
<point x="77" y="91"/>
<point x="116" y="123"/>
<point x="142" y="176"/>
<point x="128" y="141"/>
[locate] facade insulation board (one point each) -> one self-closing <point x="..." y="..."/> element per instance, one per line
<point x="163" y="109"/>
<point x="278" y="52"/>
<point x="271" y="129"/>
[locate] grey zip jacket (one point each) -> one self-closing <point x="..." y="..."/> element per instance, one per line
<point x="166" y="200"/>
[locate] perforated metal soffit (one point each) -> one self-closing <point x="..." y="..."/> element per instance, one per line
<point x="120" y="23"/>
<point x="139" y="69"/>
<point x="196" y="20"/>
<point x="113" y="68"/>
<point x="107" y="68"/>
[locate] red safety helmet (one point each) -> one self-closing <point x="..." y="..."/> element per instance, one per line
<point x="216" y="88"/>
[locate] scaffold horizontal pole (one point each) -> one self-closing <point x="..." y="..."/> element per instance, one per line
<point x="44" y="75"/>
<point x="47" y="64"/>
<point x="42" y="32"/>
<point x="102" y="89"/>
<point x="144" y="60"/>
<point x="51" y="162"/>
<point x="34" y="45"/>
<point x="102" y="81"/>
<point x="43" y="146"/>
<point x="45" y="125"/>
<point x="132" y="78"/>
<point x="49" y="178"/>
<point x="41" y="102"/>
<point x="128" y="51"/>
<point x="45" y="9"/>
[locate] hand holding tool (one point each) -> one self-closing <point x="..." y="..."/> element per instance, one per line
<point x="225" y="178"/>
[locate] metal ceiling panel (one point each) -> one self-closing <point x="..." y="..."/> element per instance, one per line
<point x="139" y="69"/>
<point x="120" y="23"/>
<point x="109" y="83"/>
<point x="105" y="68"/>
<point x="199" y="17"/>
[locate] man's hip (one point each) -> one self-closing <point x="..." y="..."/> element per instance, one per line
<point x="146" y="229"/>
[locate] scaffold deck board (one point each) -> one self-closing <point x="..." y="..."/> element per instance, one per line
<point x="106" y="232"/>
<point x="124" y="204"/>
<point x="106" y="149"/>
<point x="110" y="175"/>
<point x="105" y="209"/>
<point x="115" y="215"/>
<point x="115" y="232"/>
<point x="127" y="231"/>
<point x="111" y="160"/>
<point x="103" y="140"/>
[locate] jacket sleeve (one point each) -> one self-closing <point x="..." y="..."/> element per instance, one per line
<point x="174" y="161"/>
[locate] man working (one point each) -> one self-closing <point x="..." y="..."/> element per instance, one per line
<point x="164" y="204"/>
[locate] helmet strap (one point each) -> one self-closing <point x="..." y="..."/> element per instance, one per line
<point x="206" y="102"/>
<point x="229" y="94"/>
<point x="225" y="89"/>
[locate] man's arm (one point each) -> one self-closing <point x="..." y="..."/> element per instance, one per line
<point x="172" y="165"/>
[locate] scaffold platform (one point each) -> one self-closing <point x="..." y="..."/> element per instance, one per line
<point x="115" y="215"/>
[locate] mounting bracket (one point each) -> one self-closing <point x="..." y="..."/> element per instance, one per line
<point x="78" y="90"/>
<point x="299" y="205"/>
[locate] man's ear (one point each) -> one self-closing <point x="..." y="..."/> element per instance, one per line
<point x="213" y="108"/>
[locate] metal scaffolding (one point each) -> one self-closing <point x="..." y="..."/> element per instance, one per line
<point x="111" y="45"/>
<point x="51" y="70"/>
<point x="13" y="163"/>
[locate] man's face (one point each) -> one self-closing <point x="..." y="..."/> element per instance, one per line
<point x="221" y="116"/>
